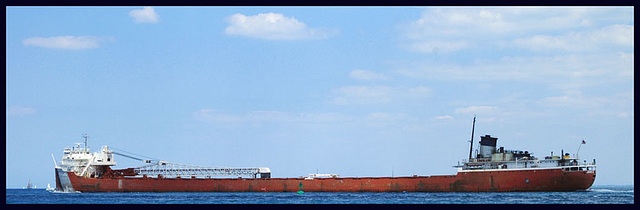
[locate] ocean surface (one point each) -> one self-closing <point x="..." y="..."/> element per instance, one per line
<point x="603" y="194"/>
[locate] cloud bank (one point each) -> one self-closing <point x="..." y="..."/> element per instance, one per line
<point x="533" y="28"/>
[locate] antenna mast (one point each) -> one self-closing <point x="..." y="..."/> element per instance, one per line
<point x="85" y="136"/>
<point x="473" y="127"/>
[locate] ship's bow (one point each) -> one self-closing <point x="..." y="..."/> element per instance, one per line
<point x="63" y="183"/>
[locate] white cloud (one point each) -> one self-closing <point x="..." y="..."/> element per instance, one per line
<point x="436" y="47"/>
<point x="258" y="118"/>
<point x="273" y="26"/>
<point x="385" y="117"/>
<point x="145" y="15"/>
<point x="445" y="117"/>
<point x="562" y="71"/>
<point x="66" y="42"/>
<point x="458" y="22"/>
<point x="350" y="95"/>
<point x="215" y="116"/>
<point x="552" y="49"/>
<point x="510" y="21"/>
<point x="416" y="92"/>
<point x="618" y="37"/>
<point x="20" y="111"/>
<point x="477" y="109"/>
<point x="363" y="95"/>
<point x="575" y="99"/>
<point x="366" y="75"/>
<point x="623" y="115"/>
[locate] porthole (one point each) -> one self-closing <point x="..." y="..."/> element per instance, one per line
<point x="526" y="180"/>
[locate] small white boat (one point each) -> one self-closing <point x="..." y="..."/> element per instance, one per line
<point x="49" y="188"/>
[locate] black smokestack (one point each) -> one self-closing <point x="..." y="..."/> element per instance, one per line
<point x="487" y="146"/>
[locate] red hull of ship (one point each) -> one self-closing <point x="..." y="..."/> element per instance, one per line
<point x="476" y="181"/>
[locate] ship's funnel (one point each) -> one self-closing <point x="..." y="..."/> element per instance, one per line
<point x="487" y="146"/>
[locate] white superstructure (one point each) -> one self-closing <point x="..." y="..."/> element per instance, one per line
<point x="80" y="160"/>
<point x="493" y="158"/>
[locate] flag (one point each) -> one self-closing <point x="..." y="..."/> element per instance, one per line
<point x="584" y="142"/>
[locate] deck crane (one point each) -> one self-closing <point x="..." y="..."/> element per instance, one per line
<point x="156" y="168"/>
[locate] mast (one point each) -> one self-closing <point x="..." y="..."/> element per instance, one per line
<point x="54" y="160"/>
<point x="473" y="127"/>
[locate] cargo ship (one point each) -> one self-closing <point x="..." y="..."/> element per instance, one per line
<point x="493" y="169"/>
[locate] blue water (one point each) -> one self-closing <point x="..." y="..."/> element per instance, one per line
<point x="595" y="195"/>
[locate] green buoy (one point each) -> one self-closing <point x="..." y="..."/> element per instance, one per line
<point x="300" y="188"/>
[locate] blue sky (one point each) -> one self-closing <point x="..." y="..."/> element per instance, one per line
<point x="355" y="91"/>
